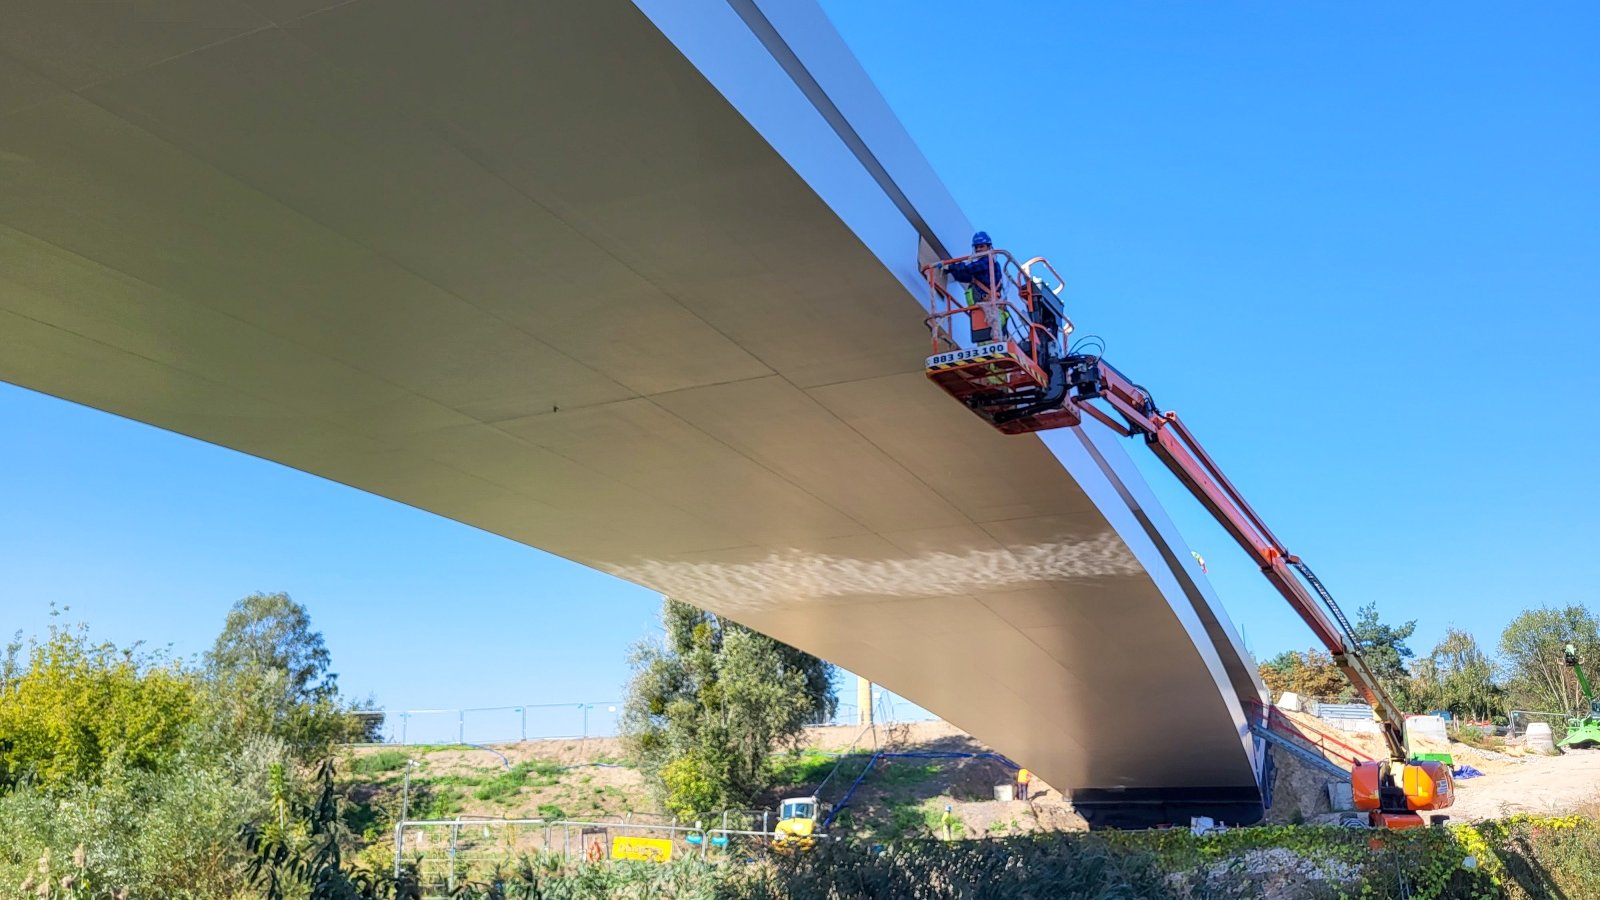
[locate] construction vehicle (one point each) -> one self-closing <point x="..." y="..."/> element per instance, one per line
<point x="1582" y="731"/>
<point x="1027" y="377"/>
<point x="797" y="827"/>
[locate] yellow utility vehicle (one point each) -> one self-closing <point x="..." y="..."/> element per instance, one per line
<point x="799" y="824"/>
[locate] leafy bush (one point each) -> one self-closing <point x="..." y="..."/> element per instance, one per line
<point x="431" y="802"/>
<point x="691" y="784"/>
<point x="800" y="767"/>
<point x="380" y="762"/>
<point x="1519" y="859"/>
<point x="127" y="772"/>
<point x="162" y="834"/>
<point x="77" y="707"/>
<point x="1532" y="857"/>
<point x="1078" y="866"/>
<point x="536" y="773"/>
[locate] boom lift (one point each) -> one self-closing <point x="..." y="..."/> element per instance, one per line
<point x="1582" y="731"/>
<point x="1028" y="377"/>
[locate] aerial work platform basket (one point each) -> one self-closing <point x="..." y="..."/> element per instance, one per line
<point x="998" y="344"/>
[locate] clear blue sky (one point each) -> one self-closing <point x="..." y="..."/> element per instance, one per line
<point x="1356" y="245"/>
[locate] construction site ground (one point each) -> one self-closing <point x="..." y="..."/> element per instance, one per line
<point x="1515" y="779"/>
<point x="902" y="796"/>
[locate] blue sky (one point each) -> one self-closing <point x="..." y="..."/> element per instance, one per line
<point x="1356" y="245"/>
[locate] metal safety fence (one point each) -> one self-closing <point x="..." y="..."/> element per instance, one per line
<point x="1518" y="720"/>
<point x="499" y="724"/>
<point x="451" y="852"/>
<point x="570" y="721"/>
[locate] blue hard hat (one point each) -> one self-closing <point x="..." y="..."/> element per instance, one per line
<point x="981" y="237"/>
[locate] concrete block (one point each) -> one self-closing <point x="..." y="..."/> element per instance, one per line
<point x="1290" y="701"/>
<point x="1540" y="738"/>
<point x="1341" y="796"/>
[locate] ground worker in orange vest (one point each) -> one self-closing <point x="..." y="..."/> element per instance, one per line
<point x="1024" y="778"/>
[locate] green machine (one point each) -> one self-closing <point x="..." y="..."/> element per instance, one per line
<point x="1585" y="730"/>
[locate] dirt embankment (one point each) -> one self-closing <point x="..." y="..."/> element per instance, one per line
<point x="902" y="796"/>
<point x="572" y="779"/>
<point x="907" y="795"/>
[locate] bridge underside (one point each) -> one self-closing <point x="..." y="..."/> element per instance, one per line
<point x="524" y="266"/>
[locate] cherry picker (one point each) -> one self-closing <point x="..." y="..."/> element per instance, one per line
<point x="1024" y="374"/>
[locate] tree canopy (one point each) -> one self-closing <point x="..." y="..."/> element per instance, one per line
<point x="272" y="673"/>
<point x="711" y="702"/>
<point x="271" y="632"/>
<point x="1311" y="674"/>
<point x="1384" y="647"/>
<point x="1531" y="649"/>
<point x="1456" y="676"/>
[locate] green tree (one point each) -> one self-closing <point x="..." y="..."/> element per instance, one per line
<point x="1531" y="650"/>
<point x="1310" y="674"/>
<point x="1384" y="648"/>
<point x="1424" y="690"/>
<point x="269" y="670"/>
<point x="271" y="632"/>
<point x="1464" y="676"/>
<point x="710" y="703"/>
<point x="77" y="707"/>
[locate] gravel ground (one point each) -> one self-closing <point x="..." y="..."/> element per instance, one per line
<point x="1540" y="785"/>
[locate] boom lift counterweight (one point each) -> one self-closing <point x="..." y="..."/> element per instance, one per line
<point x="1029" y="378"/>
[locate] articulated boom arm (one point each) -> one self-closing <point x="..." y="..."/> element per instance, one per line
<point x="1017" y="372"/>
<point x="1577" y="668"/>
<point x="1004" y="353"/>
<point x="1133" y="412"/>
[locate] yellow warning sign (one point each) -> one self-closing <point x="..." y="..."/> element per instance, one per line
<point x="648" y="849"/>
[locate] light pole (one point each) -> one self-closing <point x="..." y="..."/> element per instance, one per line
<point x="405" y="809"/>
<point x="405" y="791"/>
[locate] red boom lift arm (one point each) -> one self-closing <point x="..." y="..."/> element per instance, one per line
<point x="1174" y="444"/>
<point x="1025" y="377"/>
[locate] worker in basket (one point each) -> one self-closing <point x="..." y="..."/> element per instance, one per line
<point x="985" y="299"/>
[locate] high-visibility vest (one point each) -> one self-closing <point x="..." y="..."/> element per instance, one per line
<point x="1024" y="776"/>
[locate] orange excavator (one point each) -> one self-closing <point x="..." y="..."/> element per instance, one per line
<point x="1024" y="373"/>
